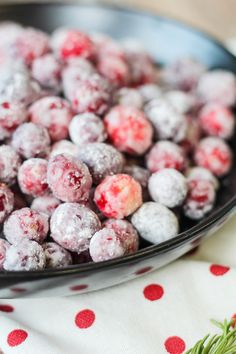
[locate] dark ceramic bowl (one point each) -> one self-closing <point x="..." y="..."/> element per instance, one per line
<point x="166" y="40"/>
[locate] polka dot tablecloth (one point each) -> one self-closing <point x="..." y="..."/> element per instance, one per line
<point x="165" y="311"/>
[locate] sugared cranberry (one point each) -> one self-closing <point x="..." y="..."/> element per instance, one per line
<point x="73" y="225"/>
<point x="215" y="155"/>
<point x="53" y="113"/>
<point x="26" y="224"/>
<point x="6" y="201"/>
<point x="69" y="178"/>
<point x="128" y="97"/>
<point x="56" y="256"/>
<point x="165" y="154"/>
<point x="45" y="204"/>
<point x="47" y="71"/>
<point x="183" y="102"/>
<point x="4" y="245"/>
<point x="9" y="164"/>
<point x="106" y="46"/>
<point x="32" y="177"/>
<point x="118" y="196"/>
<point x="64" y="147"/>
<point x="102" y="160"/>
<point x="128" y="129"/>
<point x="12" y="114"/>
<point x="114" y="69"/>
<point x="149" y="92"/>
<point x="201" y="173"/>
<point x="31" y="140"/>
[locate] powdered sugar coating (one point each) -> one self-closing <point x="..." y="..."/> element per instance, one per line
<point x="4" y="245"/>
<point x="168" y="187"/>
<point x="31" y="140"/>
<point x="64" y="147"/>
<point x="26" y="255"/>
<point x="214" y="154"/>
<point x="47" y="71"/>
<point x="182" y="101"/>
<point x="217" y="120"/>
<point x="26" y="224"/>
<point x="166" y="154"/>
<point x="200" y="199"/>
<point x="45" y="204"/>
<point x="56" y="256"/>
<point x="118" y="196"/>
<point x="87" y="128"/>
<point x="73" y="225"/>
<point x="168" y="122"/>
<point x="69" y="178"/>
<point x="6" y="201"/>
<point x="12" y="114"/>
<point x="201" y="173"/>
<point x="102" y="160"/>
<point x="155" y="222"/>
<point x="218" y="86"/>
<point x="128" y="129"/>
<point x="9" y="164"/>
<point x="130" y="97"/>
<point x="32" y="177"/>
<point x="53" y="113"/>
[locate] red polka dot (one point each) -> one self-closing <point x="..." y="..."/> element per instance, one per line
<point x="85" y="318"/>
<point x="16" y="337"/>
<point x="79" y="287"/>
<point x="218" y="270"/>
<point x="143" y="270"/>
<point x="18" y="290"/>
<point x="175" y="345"/>
<point x="153" y="292"/>
<point x="6" y="308"/>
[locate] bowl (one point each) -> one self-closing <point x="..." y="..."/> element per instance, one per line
<point x="166" y="40"/>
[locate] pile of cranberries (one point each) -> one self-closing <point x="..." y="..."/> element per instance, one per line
<point x="100" y="147"/>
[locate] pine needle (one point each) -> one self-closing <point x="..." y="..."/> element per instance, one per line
<point x="224" y="343"/>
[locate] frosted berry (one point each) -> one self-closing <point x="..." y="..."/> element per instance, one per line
<point x="26" y="224"/>
<point x="106" y="46"/>
<point x="128" y="129"/>
<point x="31" y="140"/>
<point x="149" y="92"/>
<point x="53" y="113"/>
<point x="45" y="204"/>
<point x="87" y="128"/>
<point x="165" y="154"/>
<point x="12" y="114"/>
<point x="201" y="173"/>
<point x="25" y="255"/>
<point x="73" y="225"/>
<point x="56" y="256"/>
<point x="183" y="102"/>
<point x="114" y="69"/>
<point x="32" y="177"/>
<point x="155" y="222"/>
<point x="64" y="147"/>
<point x="47" y="71"/>
<point x="118" y="196"/>
<point x="102" y="160"/>
<point x="215" y="155"/>
<point x="217" y="120"/>
<point x="128" y="97"/>
<point x="168" y="187"/>
<point x="9" y="164"/>
<point x="4" y="245"/>
<point x="6" y="201"/>
<point x="69" y="178"/>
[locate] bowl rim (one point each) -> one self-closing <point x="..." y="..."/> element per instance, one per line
<point x="152" y="250"/>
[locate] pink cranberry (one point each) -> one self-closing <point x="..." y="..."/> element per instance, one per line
<point x="31" y="140"/>
<point x="128" y="129"/>
<point x="32" y="177"/>
<point x="26" y="224"/>
<point x="25" y="44"/>
<point x="168" y="123"/>
<point x="118" y="196"/>
<point x="70" y="43"/>
<point x="12" y="114"/>
<point x="73" y="225"/>
<point x="4" y="245"/>
<point x="45" y="204"/>
<point x="69" y="178"/>
<point x="56" y="256"/>
<point x="25" y="255"/>
<point x="129" y="97"/>
<point x="200" y="199"/>
<point x="165" y="154"/>
<point x="87" y="128"/>
<point x="217" y="86"/>
<point x="215" y="155"/>
<point x="64" y="147"/>
<point x="47" y="71"/>
<point x="201" y="173"/>
<point x="9" y="164"/>
<point x="91" y="95"/>
<point x="217" y="120"/>
<point x="114" y="69"/>
<point x="6" y="201"/>
<point x="102" y="160"/>
<point x="53" y="113"/>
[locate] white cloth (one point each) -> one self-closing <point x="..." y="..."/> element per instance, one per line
<point x="185" y="294"/>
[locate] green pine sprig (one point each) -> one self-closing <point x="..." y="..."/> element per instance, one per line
<point x="224" y="343"/>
